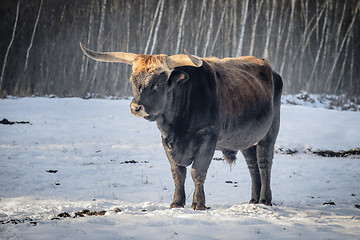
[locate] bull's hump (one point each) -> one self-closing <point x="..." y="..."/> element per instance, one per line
<point x="246" y="59"/>
<point x="149" y="63"/>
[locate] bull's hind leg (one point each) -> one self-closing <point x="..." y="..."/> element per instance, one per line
<point x="259" y="161"/>
<point x="265" y="154"/>
<point x="251" y="160"/>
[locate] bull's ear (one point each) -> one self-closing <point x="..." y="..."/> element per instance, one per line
<point x="177" y="77"/>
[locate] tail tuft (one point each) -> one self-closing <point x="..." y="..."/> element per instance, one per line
<point x="229" y="156"/>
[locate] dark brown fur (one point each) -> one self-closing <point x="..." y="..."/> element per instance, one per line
<point x="200" y="105"/>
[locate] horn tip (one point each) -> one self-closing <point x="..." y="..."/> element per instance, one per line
<point x="197" y="61"/>
<point x="82" y="46"/>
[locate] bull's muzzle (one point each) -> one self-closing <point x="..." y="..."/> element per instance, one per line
<point x="138" y="110"/>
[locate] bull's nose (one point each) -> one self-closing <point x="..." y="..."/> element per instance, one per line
<point x="134" y="107"/>
<point x="137" y="110"/>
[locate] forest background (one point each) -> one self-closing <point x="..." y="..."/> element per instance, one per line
<point x="313" y="44"/>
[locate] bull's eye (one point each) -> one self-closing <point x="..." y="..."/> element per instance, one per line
<point x="158" y="86"/>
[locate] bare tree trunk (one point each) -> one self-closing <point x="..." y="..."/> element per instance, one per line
<point x="199" y="29"/>
<point x="126" y="87"/>
<point x="99" y="46"/>
<point x="340" y="27"/>
<point x="152" y="27"/>
<point x="269" y="23"/>
<point x="243" y="24"/>
<point x="32" y="36"/>
<point x="178" y="42"/>
<point x="9" y="46"/>
<point x="227" y="34"/>
<point x="85" y="59"/>
<point x="209" y="28"/>
<point x="317" y="3"/>
<point x="352" y="87"/>
<point x="157" y="27"/>
<point x="279" y="34"/>
<point x="330" y="74"/>
<point x="234" y="39"/>
<point x="339" y="85"/>
<point x="304" y="41"/>
<point x="254" y="25"/>
<point x="144" y="26"/>
<point x="289" y="35"/>
<point x="323" y="34"/>
<point x="218" y="29"/>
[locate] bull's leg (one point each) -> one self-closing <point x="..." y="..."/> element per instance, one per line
<point x="251" y="160"/>
<point x="179" y="175"/>
<point x="265" y="154"/>
<point x="198" y="177"/>
<point x="199" y="169"/>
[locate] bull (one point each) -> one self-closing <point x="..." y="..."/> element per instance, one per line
<point x="205" y="104"/>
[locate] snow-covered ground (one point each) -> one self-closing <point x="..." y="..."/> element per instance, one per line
<point x="93" y="154"/>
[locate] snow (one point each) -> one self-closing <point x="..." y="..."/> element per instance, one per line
<point x="93" y="145"/>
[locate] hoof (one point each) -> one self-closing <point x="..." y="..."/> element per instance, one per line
<point x="253" y="201"/>
<point x="198" y="206"/>
<point x="177" y="205"/>
<point x="266" y="202"/>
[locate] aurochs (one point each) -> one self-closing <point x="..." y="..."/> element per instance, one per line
<point x="205" y="104"/>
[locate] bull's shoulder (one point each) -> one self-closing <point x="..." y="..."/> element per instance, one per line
<point x="243" y="84"/>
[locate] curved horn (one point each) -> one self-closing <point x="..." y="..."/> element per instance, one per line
<point x="184" y="60"/>
<point x="122" y="57"/>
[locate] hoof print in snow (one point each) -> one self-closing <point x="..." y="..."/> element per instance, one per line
<point x="117" y="210"/>
<point x="341" y="153"/>
<point x="127" y="162"/>
<point x="63" y="215"/>
<point x="17" y="221"/>
<point x="132" y="162"/>
<point x="7" y="122"/>
<point x="286" y="151"/>
<point x="231" y="182"/>
<point x="87" y="212"/>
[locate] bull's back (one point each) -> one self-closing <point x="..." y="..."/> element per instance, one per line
<point x="245" y="92"/>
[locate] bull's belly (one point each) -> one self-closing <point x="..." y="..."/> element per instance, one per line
<point x="236" y="143"/>
<point x="242" y="137"/>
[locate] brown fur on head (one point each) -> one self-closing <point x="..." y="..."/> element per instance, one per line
<point x="150" y="64"/>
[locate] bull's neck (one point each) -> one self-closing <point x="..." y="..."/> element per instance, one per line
<point x="190" y="107"/>
<point x="176" y="109"/>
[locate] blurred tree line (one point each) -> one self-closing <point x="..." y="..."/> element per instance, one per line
<point x="313" y="44"/>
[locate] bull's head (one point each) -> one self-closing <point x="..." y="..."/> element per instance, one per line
<point x="153" y="76"/>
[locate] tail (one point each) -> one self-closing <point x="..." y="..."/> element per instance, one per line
<point x="278" y="87"/>
<point x="229" y="156"/>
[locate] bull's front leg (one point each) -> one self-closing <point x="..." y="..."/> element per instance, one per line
<point x="202" y="160"/>
<point x="179" y="175"/>
<point x="198" y="177"/>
